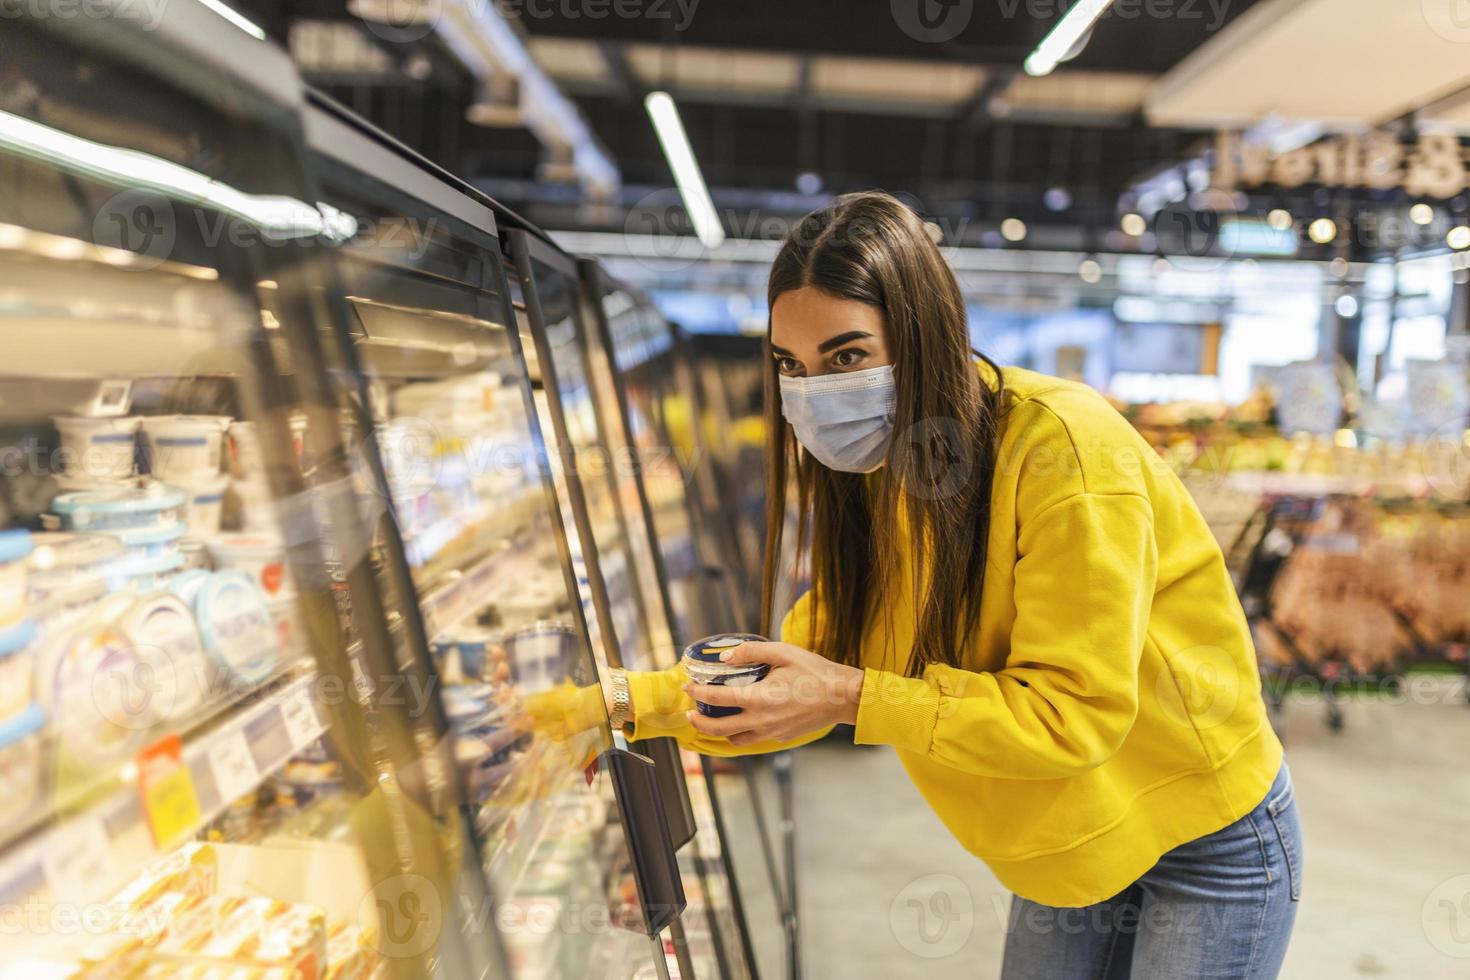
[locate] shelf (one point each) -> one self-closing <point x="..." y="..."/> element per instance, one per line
<point x="103" y="847"/>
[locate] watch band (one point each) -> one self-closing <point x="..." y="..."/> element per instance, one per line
<point x="622" y="702"/>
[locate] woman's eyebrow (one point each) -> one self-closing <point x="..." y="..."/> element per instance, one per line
<point x="833" y="343"/>
<point x="781" y="351"/>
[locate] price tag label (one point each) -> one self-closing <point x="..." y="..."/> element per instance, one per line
<point x="299" y="715"/>
<point x="78" y="863"/>
<point x="166" y="790"/>
<point x="233" y="765"/>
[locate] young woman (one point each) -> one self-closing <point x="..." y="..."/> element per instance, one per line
<point x="1012" y="589"/>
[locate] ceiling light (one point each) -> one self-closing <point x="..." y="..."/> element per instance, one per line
<point x="1090" y="271"/>
<point x="1057" y="199"/>
<point x="1459" y="237"/>
<point x="680" y="154"/>
<point x="1013" y="229"/>
<point x="236" y="18"/>
<point x="1133" y="224"/>
<point x="1279" y="219"/>
<point x="1421" y="214"/>
<point x="1346" y="306"/>
<point x="1322" y="231"/>
<point x="1064" y="37"/>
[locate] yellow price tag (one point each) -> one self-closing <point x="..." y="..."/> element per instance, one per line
<point x="166" y="789"/>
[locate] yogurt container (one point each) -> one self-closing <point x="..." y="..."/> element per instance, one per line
<point x="63" y="606"/>
<point x="150" y="504"/>
<point x="196" y="554"/>
<point x="260" y="556"/>
<point x="147" y="573"/>
<point x="61" y="560"/>
<point x="150" y="542"/>
<point x="204" y="505"/>
<point x="20" y="763"/>
<point x="94" y="687"/>
<point x="540" y="657"/>
<point x="15" y="548"/>
<point x="97" y="448"/>
<point x="166" y="639"/>
<point x="236" y="627"/>
<point x="465" y="655"/>
<point x="184" y="449"/>
<point x="186" y="584"/>
<point x="701" y="661"/>
<point x="17" y="669"/>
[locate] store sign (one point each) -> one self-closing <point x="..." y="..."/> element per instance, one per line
<point x="1433" y="165"/>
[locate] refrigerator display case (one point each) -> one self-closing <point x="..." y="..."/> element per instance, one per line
<point x="653" y="378"/>
<point x="598" y="478"/>
<point x="204" y="765"/>
<point x="566" y="827"/>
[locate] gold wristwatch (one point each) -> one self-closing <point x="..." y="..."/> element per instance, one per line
<point x="622" y="701"/>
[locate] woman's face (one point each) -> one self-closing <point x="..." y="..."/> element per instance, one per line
<point x="815" y="333"/>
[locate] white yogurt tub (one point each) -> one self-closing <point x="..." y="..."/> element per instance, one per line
<point x="61" y="560"/>
<point x="150" y="542"/>
<point x="260" y="556"/>
<point x="236" y="627"/>
<point x="15" y="548"/>
<point x="97" y="448"/>
<point x="20" y="763"/>
<point x="186" y="584"/>
<point x="196" y="554"/>
<point x="98" y="695"/>
<point x="65" y="606"/>
<point x="17" y="669"/>
<point x="166" y="639"/>
<point x="184" y="448"/>
<point x="204" y="505"/>
<point x="150" y="504"/>
<point x="145" y="574"/>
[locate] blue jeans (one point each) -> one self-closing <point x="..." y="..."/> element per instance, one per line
<point x="1220" y="906"/>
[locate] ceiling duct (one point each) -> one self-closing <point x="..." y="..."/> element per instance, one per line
<point x="515" y="91"/>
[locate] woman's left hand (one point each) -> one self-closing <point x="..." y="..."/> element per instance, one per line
<point x="803" y="692"/>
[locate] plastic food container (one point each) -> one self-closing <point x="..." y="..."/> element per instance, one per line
<point x="145" y="574"/>
<point x="93" y="684"/>
<point x="162" y="629"/>
<point x="260" y="556"/>
<point x="184" y="449"/>
<point x="196" y="554"/>
<point x="702" y="662"/>
<point x="205" y="505"/>
<point x="64" y="606"/>
<point x="20" y="763"/>
<point x="97" y="449"/>
<point x="186" y="584"/>
<point x="540" y="657"/>
<point x="149" y="505"/>
<point x="465" y="655"/>
<point x="60" y="561"/>
<point x="236" y="627"/>
<point x="15" y="548"/>
<point x="17" y="669"/>
<point x="150" y="542"/>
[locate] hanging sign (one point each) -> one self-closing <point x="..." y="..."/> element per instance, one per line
<point x="1432" y="165"/>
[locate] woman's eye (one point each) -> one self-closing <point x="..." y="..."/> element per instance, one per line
<point x="787" y="365"/>
<point x="847" y="358"/>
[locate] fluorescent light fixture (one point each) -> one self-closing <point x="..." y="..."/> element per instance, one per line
<point x="284" y="217"/>
<point x="235" y="17"/>
<point x="1064" y="37"/>
<point x="680" y="154"/>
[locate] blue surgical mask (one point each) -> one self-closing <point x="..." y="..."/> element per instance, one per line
<point x="844" y="420"/>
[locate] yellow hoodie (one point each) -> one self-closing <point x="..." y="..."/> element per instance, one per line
<point x="1109" y="707"/>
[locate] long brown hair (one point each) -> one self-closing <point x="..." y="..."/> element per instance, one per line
<point x="936" y="480"/>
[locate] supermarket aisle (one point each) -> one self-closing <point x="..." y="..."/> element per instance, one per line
<point x="915" y="903"/>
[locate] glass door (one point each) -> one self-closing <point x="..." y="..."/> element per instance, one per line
<point x="443" y="389"/>
<point x="204" y="771"/>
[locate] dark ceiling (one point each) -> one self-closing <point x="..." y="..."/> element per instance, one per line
<point x="966" y="160"/>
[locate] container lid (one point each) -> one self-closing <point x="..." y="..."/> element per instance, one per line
<point x="216" y="422"/>
<point x="68" y="549"/>
<point x="18" y="637"/>
<point x="68" y="598"/>
<point x="236" y="625"/>
<point x="246" y="544"/>
<point x="137" y="537"/>
<point x="15" y="544"/>
<point x="151" y="565"/>
<point x="709" y="649"/>
<point x="186" y="585"/>
<point x="28" y="722"/>
<point x="130" y="500"/>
